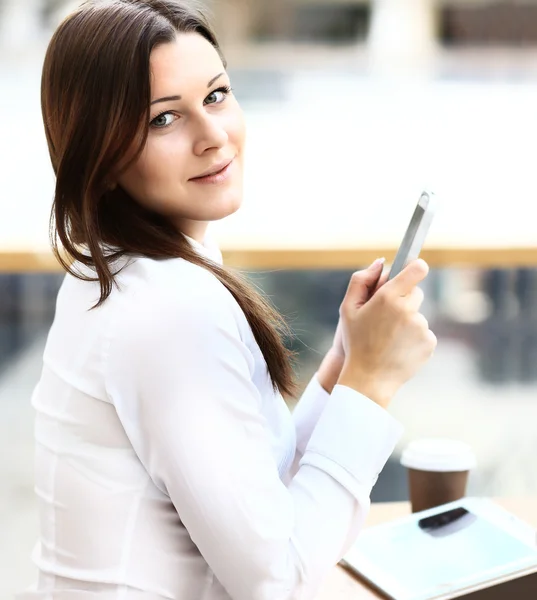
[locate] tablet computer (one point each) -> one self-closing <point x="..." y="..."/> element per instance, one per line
<point x="445" y="552"/>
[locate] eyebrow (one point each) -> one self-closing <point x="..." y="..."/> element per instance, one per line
<point x="175" y="98"/>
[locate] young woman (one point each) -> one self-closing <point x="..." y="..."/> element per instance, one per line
<point x="168" y="465"/>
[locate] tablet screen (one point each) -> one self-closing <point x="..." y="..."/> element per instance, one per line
<point x="439" y="553"/>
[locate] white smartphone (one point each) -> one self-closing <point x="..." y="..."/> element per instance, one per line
<point x="416" y="233"/>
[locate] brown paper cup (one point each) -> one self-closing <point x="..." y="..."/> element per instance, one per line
<point x="429" y="488"/>
<point x="438" y="471"/>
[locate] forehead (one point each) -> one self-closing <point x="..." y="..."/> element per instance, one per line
<point x="188" y="61"/>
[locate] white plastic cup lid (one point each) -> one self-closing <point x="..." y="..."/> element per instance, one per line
<point x="438" y="454"/>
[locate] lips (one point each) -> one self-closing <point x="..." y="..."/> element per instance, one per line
<point x="215" y="169"/>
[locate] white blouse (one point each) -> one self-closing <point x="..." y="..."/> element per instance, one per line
<point x="165" y="461"/>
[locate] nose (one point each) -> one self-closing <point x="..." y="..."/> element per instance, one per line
<point x="210" y="133"/>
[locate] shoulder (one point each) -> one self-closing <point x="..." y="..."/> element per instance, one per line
<point x="166" y="295"/>
<point x="171" y="317"/>
<point x="172" y="275"/>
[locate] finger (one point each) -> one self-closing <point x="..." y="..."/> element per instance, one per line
<point x="405" y="281"/>
<point x="382" y="280"/>
<point x="362" y="284"/>
<point x="430" y="338"/>
<point x="433" y="341"/>
<point x="421" y="321"/>
<point x="414" y="300"/>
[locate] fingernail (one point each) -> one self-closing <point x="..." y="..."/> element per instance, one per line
<point x="376" y="263"/>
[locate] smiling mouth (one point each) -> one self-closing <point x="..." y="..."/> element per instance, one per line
<point x="217" y="171"/>
<point x="218" y="176"/>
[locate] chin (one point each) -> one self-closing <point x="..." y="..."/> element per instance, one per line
<point x="224" y="208"/>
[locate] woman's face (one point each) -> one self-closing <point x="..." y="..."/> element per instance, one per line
<point x="196" y="128"/>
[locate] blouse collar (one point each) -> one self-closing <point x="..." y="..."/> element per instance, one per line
<point x="209" y="248"/>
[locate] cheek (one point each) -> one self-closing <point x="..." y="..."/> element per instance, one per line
<point x="159" y="165"/>
<point x="236" y="128"/>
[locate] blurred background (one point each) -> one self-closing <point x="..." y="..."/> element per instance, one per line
<point x="389" y="95"/>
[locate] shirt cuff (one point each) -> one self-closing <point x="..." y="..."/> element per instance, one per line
<point x="352" y="441"/>
<point x="307" y="412"/>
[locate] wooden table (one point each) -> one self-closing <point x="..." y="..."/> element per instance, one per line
<point x="26" y="260"/>
<point x="341" y="585"/>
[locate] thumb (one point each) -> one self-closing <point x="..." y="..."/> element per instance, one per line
<point x="405" y="281"/>
<point x="363" y="284"/>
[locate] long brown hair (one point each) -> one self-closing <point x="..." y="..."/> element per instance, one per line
<point x="95" y="96"/>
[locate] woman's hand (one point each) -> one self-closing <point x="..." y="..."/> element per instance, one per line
<point x="385" y="339"/>
<point x="367" y="282"/>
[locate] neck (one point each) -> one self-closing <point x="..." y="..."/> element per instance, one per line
<point x="195" y="230"/>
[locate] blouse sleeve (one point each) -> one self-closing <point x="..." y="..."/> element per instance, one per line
<point x="180" y="377"/>
<point x="308" y="411"/>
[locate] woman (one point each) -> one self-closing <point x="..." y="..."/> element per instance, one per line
<point x="168" y="465"/>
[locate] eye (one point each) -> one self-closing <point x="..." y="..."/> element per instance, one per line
<point x="219" y="95"/>
<point x="163" y="120"/>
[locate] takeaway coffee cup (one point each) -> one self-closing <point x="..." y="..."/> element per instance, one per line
<point x="438" y="470"/>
